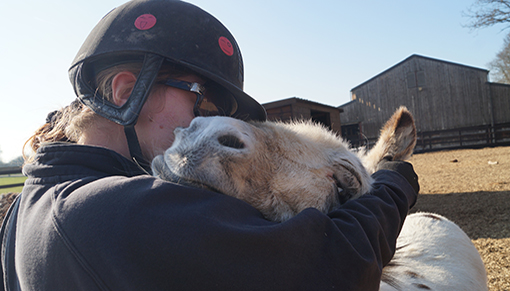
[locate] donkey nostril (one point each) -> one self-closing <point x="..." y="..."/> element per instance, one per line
<point x="231" y="141"/>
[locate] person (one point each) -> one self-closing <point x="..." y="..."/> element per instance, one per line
<point x="91" y="217"/>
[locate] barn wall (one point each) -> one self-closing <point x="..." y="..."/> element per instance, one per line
<point x="500" y="94"/>
<point x="441" y="95"/>
<point x="296" y="109"/>
<point x="352" y="113"/>
<point x="279" y="113"/>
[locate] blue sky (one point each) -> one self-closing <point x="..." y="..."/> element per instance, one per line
<point x="315" y="50"/>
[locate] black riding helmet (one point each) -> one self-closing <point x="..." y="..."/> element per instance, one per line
<point x="154" y="31"/>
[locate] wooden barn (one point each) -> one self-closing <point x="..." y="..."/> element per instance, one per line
<point x="297" y="109"/>
<point x="454" y="105"/>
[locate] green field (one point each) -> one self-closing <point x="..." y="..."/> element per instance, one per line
<point x="5" y="180"/>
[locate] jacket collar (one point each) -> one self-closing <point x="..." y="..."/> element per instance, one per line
<point x="68" y="161"/>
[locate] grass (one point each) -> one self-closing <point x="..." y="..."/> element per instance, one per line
<point x="6" y="180"/>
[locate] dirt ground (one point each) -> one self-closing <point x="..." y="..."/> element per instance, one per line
<point x="472" y="188"/>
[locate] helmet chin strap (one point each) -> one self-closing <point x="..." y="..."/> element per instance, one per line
<point x="135" y="150"/>
<point x="140" y="93"/>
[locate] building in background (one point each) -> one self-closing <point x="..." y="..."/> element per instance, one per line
<point x="454" y="105"/>
<point x="297" y="108"/>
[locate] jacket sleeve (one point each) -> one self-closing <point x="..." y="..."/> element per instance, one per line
<point x="368" y="228"/>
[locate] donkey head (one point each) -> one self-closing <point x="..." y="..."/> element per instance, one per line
<point x="279" y="168"/>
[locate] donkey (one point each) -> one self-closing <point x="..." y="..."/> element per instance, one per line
<point x="284" y="168"/>
<point x="433" y="253"/>
<point x="279" y="168"/>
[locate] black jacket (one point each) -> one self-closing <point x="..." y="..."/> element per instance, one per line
<point x="90" y="219"/>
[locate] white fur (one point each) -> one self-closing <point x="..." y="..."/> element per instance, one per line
<point x="434" y="252"/>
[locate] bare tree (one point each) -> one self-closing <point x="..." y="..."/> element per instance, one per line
<point x="485" y="13"/>
<point x="500" y="66"/>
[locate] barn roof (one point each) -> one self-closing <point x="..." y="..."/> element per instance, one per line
<point x="346" y="104"/>
<point x="293" y="100"/>
<point x="422" y="57"/>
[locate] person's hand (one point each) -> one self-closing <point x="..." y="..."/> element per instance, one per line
<point x="403" y="168"/>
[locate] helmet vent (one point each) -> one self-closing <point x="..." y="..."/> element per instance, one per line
<point x="226" y="46"/>
<point x="145" y="22"/>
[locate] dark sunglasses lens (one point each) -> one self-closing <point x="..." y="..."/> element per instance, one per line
<point x="217" y="101"/>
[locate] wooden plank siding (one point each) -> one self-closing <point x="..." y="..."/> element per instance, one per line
<point x="297" y="109"/>
<point x="500" y="95"/>
<point x="441" y="95"/>
<point x="279" y="113"/>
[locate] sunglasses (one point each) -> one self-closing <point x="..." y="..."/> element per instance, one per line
<point x="212" y="99"/>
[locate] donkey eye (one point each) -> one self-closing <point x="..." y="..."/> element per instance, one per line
<point x="231" y="141"/>
<point x="343" y="191"/>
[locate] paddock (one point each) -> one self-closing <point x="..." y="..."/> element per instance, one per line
<point x="471" y="187"/>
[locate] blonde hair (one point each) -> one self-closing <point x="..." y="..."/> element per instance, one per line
<point x="68" y="123"/>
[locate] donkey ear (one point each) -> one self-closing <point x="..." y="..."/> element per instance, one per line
<point x="400" y="134"/>
<point x="397" y="139"/>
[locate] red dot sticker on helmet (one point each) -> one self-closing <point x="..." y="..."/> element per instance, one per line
<point x="226" y="46"/>
<point x="145" y="21"/>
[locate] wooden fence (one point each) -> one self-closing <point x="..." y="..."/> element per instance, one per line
<point x="466" y="137"/>
<point x="10" y="171"/>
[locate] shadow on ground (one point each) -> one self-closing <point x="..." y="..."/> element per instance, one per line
<point x="479" y="214"/>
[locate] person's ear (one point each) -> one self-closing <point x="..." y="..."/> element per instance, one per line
<point x="122" y="85"/>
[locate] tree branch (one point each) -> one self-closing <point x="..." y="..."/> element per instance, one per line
<point x="485" y="13"/>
